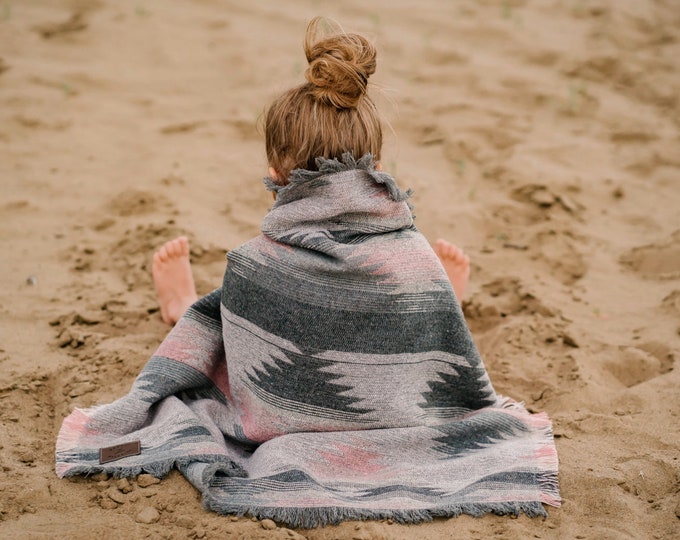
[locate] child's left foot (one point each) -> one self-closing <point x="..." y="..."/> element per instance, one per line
<point x="456" y="263"/>
<point x="173" y="279"/>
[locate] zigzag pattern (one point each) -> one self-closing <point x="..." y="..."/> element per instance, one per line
<point x="331" y="377"/>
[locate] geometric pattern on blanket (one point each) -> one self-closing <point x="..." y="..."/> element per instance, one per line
<point x="331" y="377"/>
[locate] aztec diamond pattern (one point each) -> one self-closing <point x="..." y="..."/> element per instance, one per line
<point x="331" y="377"/>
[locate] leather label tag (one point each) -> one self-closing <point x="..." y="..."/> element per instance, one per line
<point x="113" y="453"/>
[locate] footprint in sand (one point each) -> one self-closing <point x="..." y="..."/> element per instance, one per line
<point x="662" y="352"/>
<point x="75" y="23"/>
<point x="137" y="202"/>
<point x="655" y="261"/>
<point x="556" y="249"/>
<point x="483" y="144"/>
<point x="671" y="302"/>
<point x="30" y="122"/>
<point x="182" y="127"/>
<point x="533" y="204"/>
<point x="245" y="129"/>
<point x="651" y="480"/>
<point x="602" y="67"/>
<point x="544" y="198"/>
<point x="428" y="134"/>
<point x="129" y="253"/>
<point x="499" y="299"/>
<point x="635" y="365"/>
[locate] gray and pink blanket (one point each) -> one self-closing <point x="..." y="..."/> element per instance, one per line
<point x="331" y="377"/>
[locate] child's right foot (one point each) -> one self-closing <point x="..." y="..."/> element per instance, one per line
<point x="173" y="279"/>
<point x="456" y="263"/>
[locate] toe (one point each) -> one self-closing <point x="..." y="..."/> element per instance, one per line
<point x="183" y="246"/>
<point x="162" y="254"/>
<point x="174" y="249"/>
<point x="443" y="247"/>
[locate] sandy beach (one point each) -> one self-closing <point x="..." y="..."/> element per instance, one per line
<point x="543" y="137"/>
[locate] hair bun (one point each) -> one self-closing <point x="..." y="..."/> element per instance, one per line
<point x="339" y="64"/>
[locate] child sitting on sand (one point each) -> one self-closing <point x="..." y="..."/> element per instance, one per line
<point x="332" y="376"/>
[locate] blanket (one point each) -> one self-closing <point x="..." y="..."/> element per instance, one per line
<point x="331" y="377"/>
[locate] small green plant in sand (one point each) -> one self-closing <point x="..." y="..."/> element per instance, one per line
<point x="508" y="13"/>
<point x="577" y="90"/>
<point x="598" y="314"/>
<point x="460" y="167"/>
<point x="67" y="89"/>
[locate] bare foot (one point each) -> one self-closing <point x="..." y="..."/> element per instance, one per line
<point x="456" y="263"/>
<point x="173" y="279"/>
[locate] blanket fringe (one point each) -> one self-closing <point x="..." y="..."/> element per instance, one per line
<point x="309" y="518"/>
<point x="159" y="469"/>
<point x="347" y="163"/>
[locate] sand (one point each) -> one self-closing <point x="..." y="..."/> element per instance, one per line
<point x="541" y="136"/>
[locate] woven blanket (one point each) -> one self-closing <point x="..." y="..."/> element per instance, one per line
<point x="331" y="377"/>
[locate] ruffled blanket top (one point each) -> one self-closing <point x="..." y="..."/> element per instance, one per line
<point x="331" y="377"/>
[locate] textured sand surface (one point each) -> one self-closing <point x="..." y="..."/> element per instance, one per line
<point x="542" y="136"/>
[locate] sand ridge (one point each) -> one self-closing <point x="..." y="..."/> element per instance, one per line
<point x="542" y="136"/>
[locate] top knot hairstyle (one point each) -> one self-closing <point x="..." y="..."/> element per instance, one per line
<point x="339" y="66"/>
<point x="331" y="113"/>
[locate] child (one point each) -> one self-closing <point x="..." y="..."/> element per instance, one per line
<point x="332" y="376"/>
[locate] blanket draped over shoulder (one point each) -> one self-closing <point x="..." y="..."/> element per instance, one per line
<point x="331" y="377"/>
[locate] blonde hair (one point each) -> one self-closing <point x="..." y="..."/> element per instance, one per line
<point x="331" y="113"/>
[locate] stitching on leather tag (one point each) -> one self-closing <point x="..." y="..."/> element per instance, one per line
<point x="119" y="451"/>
